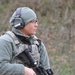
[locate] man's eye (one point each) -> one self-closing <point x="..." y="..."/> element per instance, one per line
<point x="33" y="21"/>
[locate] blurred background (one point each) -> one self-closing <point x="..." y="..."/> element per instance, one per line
<point x="56" y="29"/>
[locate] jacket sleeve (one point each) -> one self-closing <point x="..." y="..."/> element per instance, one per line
<point x="6" y="68"/>
<point x="44" y="57"/>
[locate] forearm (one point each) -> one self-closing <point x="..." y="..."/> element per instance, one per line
<point x="11" y="69"/>
<point x="45" y="60"/>
<point x="44" y="57"/>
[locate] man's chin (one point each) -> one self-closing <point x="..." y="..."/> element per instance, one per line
<point x="33" y="33"/>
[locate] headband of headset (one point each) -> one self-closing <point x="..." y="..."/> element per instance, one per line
<point x="18" y="22"/>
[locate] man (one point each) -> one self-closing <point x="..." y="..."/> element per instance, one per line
<point x="12" y="43"/>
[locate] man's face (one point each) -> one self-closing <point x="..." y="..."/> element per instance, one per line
<point x="30" y="28"/>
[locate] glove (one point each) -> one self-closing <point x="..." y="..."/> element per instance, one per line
<point x="49" y="71"/>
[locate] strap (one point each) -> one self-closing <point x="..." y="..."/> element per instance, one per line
<point x="18" y="12"/>
<point x="12" y="35"/>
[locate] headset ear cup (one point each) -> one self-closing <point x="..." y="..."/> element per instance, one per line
<point x="18" y="23"/>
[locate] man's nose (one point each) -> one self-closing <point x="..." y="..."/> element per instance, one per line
<point x="36" y="24"/>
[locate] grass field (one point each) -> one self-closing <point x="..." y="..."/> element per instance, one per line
<point x="54" y="32"/>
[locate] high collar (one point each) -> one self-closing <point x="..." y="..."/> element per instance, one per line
<point x="24" y="38"/>
<point x="18" y="32"/>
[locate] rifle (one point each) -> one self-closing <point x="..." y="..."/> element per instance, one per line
<point x="28" y="60"/>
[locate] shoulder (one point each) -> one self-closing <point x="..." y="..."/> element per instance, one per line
<point x="36" y="40"/>
<point x="6" y="36"/>
<point x="34" y="37"/>
<point x="41" y="44"/>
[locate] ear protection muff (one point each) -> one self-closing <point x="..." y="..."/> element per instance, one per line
<point x="18" y="22"/>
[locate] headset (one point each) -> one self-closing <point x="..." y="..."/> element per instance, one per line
<point x="18" y="21"/>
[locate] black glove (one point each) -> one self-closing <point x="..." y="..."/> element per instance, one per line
<point x="49" y="71"/>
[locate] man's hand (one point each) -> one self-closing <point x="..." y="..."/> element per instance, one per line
<point x="29" y="71"/>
